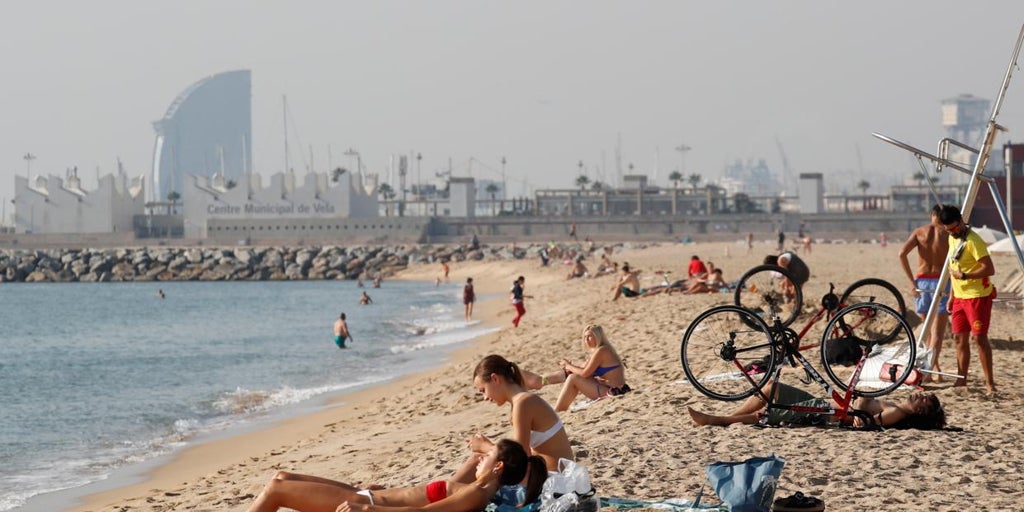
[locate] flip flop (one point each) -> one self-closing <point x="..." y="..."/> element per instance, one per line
<point x="798" y="503"/>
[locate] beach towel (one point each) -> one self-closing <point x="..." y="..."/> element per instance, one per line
<point x="674" y="504"/>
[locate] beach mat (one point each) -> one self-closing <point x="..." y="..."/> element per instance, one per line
<point x="676" y="504"/>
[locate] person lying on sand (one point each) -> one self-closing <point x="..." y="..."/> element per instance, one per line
<point x="505" y="463"/>
<point x="535" y="424"/>
<point x="920" y="411"/>
<point x="602" y="375"/>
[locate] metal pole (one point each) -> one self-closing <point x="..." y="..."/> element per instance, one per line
<point x="976" y="179"/>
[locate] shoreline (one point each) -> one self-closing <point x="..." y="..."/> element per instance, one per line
<point x="641" y="445"/>
<point x="233" y="448"/>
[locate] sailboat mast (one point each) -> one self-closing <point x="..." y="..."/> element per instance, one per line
<point x="284" y="104"/>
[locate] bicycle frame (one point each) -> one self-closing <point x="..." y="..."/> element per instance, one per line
<point x="792" y="353"/>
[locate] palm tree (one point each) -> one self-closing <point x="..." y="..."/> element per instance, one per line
<point x="863" y="185"/>
<point x="675" y="177"/>
<point x="694" y="180"/>
<point x="337" y="172"/>
<point x="173" y="197"/>
<point x="492" y="189"/>
<point x="597" y="186"/>
<point x="582" y="181"/>
<point x="919" y="177"/>
<point x="387" y="193"/>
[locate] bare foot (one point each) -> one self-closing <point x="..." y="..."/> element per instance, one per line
<point x="700" y="419"/>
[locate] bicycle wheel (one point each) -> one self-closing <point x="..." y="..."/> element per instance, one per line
<point x="763" y="289"/>
<point x="878" y="291"/>
<point x="724" y="357"/>
<point x="886" y="336"/>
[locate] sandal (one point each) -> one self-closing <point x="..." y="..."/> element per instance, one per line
<point x="798" y="503"/>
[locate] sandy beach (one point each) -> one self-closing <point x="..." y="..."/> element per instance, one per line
<point x="642" y="445"/>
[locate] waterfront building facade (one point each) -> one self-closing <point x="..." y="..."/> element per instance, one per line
<point x="51" y="204"/>
<point x="216" y="204"/>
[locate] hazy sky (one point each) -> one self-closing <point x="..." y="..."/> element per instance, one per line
<point x="545" y="84"/>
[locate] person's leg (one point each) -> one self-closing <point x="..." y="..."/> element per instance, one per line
<point x="752" y="404"/>
<point x="935" y="340"/>
<point x="574" y="385"/>
<point x="963" y="357"/>
<point x="702" y="419"/>
<point x="985" y="357"/>
<point x="302" y="492"/>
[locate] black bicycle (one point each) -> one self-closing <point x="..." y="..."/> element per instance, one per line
<point x="729" y="352"/>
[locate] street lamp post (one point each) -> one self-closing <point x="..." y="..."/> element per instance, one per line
<point x="28" y="166"/>
<point x="504" y="185"/>
<point x="419" y="182"/>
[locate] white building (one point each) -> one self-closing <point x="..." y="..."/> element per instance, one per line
<point x="253" y="207"/>
<point x="51" y="204"/>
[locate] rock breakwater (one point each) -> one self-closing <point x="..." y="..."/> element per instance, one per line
<point x="232" y="263"/>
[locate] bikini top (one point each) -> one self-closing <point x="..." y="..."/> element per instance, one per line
<point x="601" y="370"/>
<point x="539" y="438"/>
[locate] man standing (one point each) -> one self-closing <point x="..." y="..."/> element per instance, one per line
<point x="970" y="305"/>
<point x="932" y="244"/>
<point x="341" y="332"/>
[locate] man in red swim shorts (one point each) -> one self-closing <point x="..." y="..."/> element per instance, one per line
<point x="970" y="304"/>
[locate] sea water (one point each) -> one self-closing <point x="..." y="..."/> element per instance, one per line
<point x="97" y="377"/>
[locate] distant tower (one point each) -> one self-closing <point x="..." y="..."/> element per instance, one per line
<point x="207" y="129"/>
<point x="965" y="118"/>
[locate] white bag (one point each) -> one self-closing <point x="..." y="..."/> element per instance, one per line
<point x="568" y="490"/>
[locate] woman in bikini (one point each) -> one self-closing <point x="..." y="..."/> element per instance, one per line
<point x="535" y="424"/>
<point x="602" y="375"/>
<point x="505" y="463"/>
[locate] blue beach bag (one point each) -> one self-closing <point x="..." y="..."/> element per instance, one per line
<point x="747" y="486"/>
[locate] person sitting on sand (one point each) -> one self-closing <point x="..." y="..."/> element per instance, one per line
<point x="606" y="266"/>
<point x="920" y="410"/>
<point x="578" y="269"/>
<point x="696" y="268"/>
<point x="712" y="284"/>
<point x="505" y="463"/>
<point x="628" y="283"/>
<point x="602" y="375"/>
<point x="534" y="423"/>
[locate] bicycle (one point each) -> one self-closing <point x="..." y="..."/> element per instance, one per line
<point x="764" y="283"/>
<point x="727" y="359"/>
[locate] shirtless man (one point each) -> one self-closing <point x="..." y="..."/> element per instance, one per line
<point x="578" y="269"/>
<point x="932" y="244"/>
<point x="341" y="332"/>
<point x="628" y="284"/>
<point x="365" y="299"/>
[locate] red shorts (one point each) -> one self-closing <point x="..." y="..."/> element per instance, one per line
<point x="971" y="315"/>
